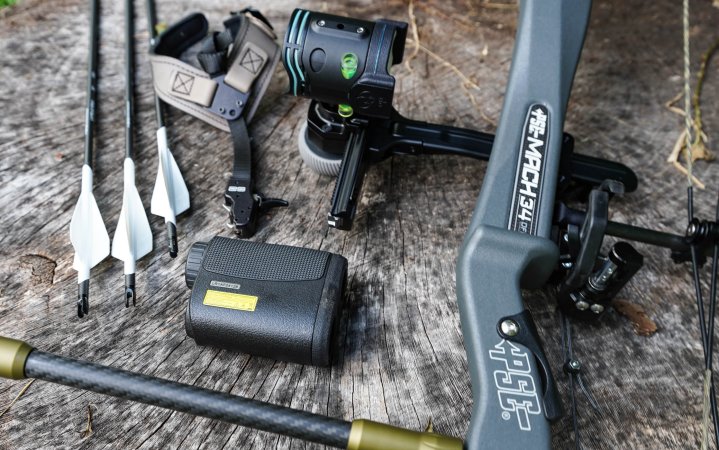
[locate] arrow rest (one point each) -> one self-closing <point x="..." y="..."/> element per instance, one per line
<point x="587" y="279"/>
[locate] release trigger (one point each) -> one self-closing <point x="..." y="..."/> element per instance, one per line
<point x="266" y="204"/>
<point x="244" y="207"/>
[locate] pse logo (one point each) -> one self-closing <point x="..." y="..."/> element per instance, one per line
<point x="528" y="182"/>
<point x="515" y="386"/>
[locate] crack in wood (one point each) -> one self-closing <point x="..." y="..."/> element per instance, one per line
<point x="42" y="268"/>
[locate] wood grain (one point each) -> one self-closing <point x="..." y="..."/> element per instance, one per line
<point x="401" y="358"/>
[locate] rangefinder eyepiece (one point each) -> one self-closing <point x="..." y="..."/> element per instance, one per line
<point x="343" y="61"/>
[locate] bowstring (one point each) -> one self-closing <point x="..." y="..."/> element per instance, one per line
<point x="688" y="132"/>
<point x="568" y="356"/>
<point x="709" y="396"/>
<point x="575" y="380"/>
<point x="709" y="406"/>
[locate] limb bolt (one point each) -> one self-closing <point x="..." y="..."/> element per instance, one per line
<point x="581" y="305"/>
<point x="509" y="327"/>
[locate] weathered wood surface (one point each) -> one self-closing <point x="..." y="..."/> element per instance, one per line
<point x="402" y="358"/>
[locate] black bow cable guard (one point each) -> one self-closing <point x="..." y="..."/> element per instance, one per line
<point x="522" y="233"/>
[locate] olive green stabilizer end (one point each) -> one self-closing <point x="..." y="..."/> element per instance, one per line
<point x="13" y="354"/>
<point x="368" y="435"/>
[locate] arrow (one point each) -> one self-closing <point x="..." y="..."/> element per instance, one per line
<point x="133" y="236"/>
<point x="87" y="229"/>
<point x="170" y="196"/>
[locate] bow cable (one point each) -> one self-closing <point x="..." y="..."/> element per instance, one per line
<point x="706" y="327"/>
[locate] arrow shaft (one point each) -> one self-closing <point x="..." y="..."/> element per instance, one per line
<point x="87" y="229"/>
<point x="129" y="76"/>
<point x="92" y="81"/>
<point x="151" y="23"/>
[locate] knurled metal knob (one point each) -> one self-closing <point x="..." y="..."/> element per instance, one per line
<point x="194" y="262"/>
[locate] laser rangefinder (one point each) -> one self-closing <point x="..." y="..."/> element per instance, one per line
<point x="270" y="300"/>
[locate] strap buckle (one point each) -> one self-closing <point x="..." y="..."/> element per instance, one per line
<point x="245" y="206"/>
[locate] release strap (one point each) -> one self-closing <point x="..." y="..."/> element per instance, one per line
<point x="237" y="65"/>
<point x="241" y="200"/>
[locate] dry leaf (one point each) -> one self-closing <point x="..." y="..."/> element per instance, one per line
<point x="642" y="323"/>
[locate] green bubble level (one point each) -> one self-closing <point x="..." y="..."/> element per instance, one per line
<point x="349" y="65"/>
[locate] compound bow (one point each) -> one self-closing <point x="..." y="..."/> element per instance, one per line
<point x="521" y="235"/>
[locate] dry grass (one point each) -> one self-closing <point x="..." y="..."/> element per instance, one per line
<point x="699" y="149"/>
<point x="467" y="83"/>
<point x="17" y="397"/>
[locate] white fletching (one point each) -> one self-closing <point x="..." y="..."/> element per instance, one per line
<point x="170" y="196"/>
<point x="133" y="236"/>
<point x="87" y="230"/>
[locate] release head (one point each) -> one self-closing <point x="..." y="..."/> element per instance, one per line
<point x="13" y="354"/>
<point x="343" y="61"/>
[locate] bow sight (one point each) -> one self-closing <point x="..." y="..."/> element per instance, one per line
<point x="343" y="65"/>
